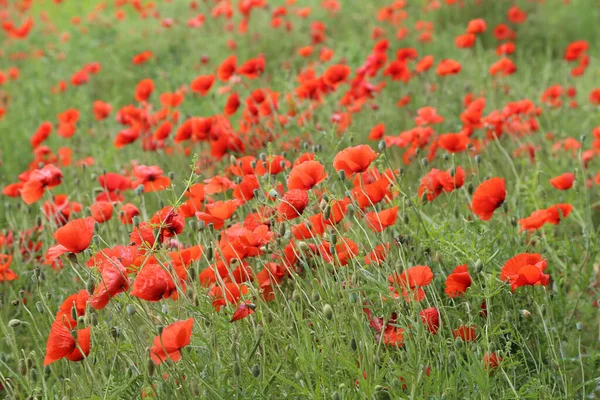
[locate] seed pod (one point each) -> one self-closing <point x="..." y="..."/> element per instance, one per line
<point x="328" y="311"/>
<point x="353" y="344"/>
<point x="579" y="326"/>
<point x="256" y="370"/>
<point x="13" y="323"/>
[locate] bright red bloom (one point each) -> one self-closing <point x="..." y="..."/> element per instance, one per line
<point x="151" y="178"/>
<point x="453" y="142"/>
<point x="431" y="319"/>
<point x="526" y="269"/>
<point x="114" y="280"/>
<point x="243" y="310"/>
<point x="307" y="175"/>
<point x="488" y="196"/>
<point x="564" y="181"/>
<point x="354" y="159"/>
<point x="292" y="204"/>
<point x="74" y="237"/>
<point x="412" y="281"/>
<point x="466" y="333"/>
<point x="154" y="283"/>
<point x="5" y="273"/>
<point x="458" y="281"/>
<point x="62" y="345"/>
<point x="202" y="84"/>
<point x="378" y="221"/>
<point x="169" y="343"/>
<point x="491" y="360"/>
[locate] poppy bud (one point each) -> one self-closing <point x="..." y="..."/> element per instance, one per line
<point x="353" y="344"/>
<point x="424" y="162"/>
<point x="350" y="211"/>
<point x="136" y="221"/>
<point x="446" y="157"/>
<point x="165" y="309"/>
<point x="115" y="332"/>
<point x="273" y="193"/>
<point x="526" y="314"/>
<point x="130" y="309"/>
<point x="328" y="311"/>
<point x="22" y="367"/>
<point x="33" y="374"/>
<point x="40" y="307"/>
<point x="262" y="157"/>
<point x="505" y="207"/>
<point x="253" y="164"/>
<point x="333" y="238"/>
<point x="342" y="174"/>
<point x="478" y="159"/>
<point x="381" y="145"/>
<point x="336" y="396"/>
<point x="90" y="286"/>
<point x="470" y="188"/>
<point x="139" y="190"/>
<point x="171" y="175"/>
<point x="93" y="176"/>
<point x="232" y="160"/>
<point x="315" y="296"/>
<point x="582" y="138"/>
<point x="327" y="212"/>
<point x="93" y="319"/>
<point x="74" y="313"/>
<point x="579" y="326"/>
<point x="209" y="253"/>
<point x="305" y="145"/>
<point x="38" y="220"/>
<point x="296" y="296"/>
<point x="151" y="367"/>
<point x="13" y="323"/>
<point x="201" y="226"/>
<point x="477" y="266"/>
<point x="255" y="371"/>
<point x="237" y="370"/>
<point x="256" y="193"/>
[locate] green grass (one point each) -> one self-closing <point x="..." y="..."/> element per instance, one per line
<point x="314" y="340"/>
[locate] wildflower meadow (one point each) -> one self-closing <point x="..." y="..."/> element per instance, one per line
<point x="305" y="199"/>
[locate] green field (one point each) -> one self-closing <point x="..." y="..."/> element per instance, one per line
<point x="299" y="199"/>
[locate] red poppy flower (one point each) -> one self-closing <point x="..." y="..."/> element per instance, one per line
<point x="354" y="159"/>
<point x="40" y="179"/>
<point x="431" y="319"/>
<point x="102" y="211"/>
<point x="453" y="142"/>
<point x="448" y="67"/>
<point x="491" y="360"/>
<point x="476" y="26"/>
<point x="114" y="280"/>
<point x="564" y="181"/>
<point x="412" y="281"/>
<point x="202" y="84"/>
<point x="230" y="293"/>
<point x="466" y="333"/>
<point x="335" y="75"/>
<point x="227" y="68"/>
<point x="5" y="273"/>
<point x="154" y="283"/>
<point x="458" y="281"/>
<point x="526" y="269"/>
<point x="144" y="89"/>
<point x="307" y="175"/>
<point x="378" y="221"/>
<point x="62" y="345"/>
<point x="292" y="204"/>
<point x="243" y="310"/>
<point x="74" y="237"/>
<point x="151" y="178"/>
<point x="169" y="343"/>
<point x="488" y="196"/>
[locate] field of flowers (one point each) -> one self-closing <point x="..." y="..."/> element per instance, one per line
<point x="328" y="199"/>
